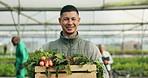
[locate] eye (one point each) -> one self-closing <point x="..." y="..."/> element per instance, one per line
<point x="65" y="18"/>
<point x="74" y="19"/>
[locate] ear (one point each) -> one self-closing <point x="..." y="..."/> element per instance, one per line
<point x="79" y="20"/>
<point x="59" y="19"/>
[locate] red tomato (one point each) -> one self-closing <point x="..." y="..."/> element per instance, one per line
<point x="50" y="62"/>
<point x="46" y="63"/>
<point x="43" y="58"/>
<point x="41" y="63"/>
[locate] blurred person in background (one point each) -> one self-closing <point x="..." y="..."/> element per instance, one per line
<point x="106" y="57"/>
<point x="70" y="42"/>
<point x="5" y="49"/>
<point x="21" y="57"/>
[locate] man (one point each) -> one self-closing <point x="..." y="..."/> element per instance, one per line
<point x="21" y="57"/>
<point x="106" y="57"/>
<point x="70" y="42"/>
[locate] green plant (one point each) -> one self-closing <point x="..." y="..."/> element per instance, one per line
<point x="133" y="66"/>
<point x="10" y="59"/>
<point x="7" y="69"/>
<point x="133" y="52"/>
<point x="60" y="61"/>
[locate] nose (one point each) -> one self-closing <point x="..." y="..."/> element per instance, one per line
<point x="70" y="21"/>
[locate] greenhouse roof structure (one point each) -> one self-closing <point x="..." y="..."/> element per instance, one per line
<point x="39" y="18"/>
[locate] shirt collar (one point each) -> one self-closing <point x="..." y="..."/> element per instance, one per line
<point x="71" y="37"/>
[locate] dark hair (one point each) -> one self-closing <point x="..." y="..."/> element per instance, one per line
<point x="68" y="8"/>
<point x="100" y="45"/>
<point x="15" y="37"/>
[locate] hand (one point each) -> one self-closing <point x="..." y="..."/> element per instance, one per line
<point x="105" y="62"/>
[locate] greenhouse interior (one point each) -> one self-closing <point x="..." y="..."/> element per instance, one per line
<point x="119" y="25"/>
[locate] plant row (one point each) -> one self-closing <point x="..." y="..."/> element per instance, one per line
<point x="133" y="66"/>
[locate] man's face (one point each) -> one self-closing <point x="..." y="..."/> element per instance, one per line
<point x="101" y="48"/>
<point x="15" y="41"/>
<point x="69" y="22"/>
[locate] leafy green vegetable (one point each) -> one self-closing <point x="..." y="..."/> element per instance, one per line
<point x="67" y="68"/>
<point x="60" y="62"/>
<point x="99" y="69"/>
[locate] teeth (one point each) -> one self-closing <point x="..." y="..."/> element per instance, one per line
<point x="69" y="26"/>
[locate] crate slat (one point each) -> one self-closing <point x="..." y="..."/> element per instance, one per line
<point x="79" y="74"/>
<point x="72" y="67"/>
<point x="73" y="75"/>
<point x="40" y="69"/>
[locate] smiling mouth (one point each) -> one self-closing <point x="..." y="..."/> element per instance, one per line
<point x="69" y="27"/>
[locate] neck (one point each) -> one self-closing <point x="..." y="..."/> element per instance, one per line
<point x="102" y="53"/>
<point x="69" y="35"/>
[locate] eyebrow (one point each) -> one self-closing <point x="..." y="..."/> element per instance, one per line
<point x="68" y="17"/>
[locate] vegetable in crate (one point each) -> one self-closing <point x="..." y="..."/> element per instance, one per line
<point x="57" y="61"/>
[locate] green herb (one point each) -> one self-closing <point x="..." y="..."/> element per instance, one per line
<point x="60" y="62"/>
<point x="67" y="68"/>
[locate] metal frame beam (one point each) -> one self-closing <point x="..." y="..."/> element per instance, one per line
<point x="55" y="36"/>
<point x="8" y="30"/>
<point x="79" y="8"/>
<point x="18" y="11"/>
<point x="33" y="24"/>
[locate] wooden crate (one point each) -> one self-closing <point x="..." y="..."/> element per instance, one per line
<point x="80" y="74"/>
